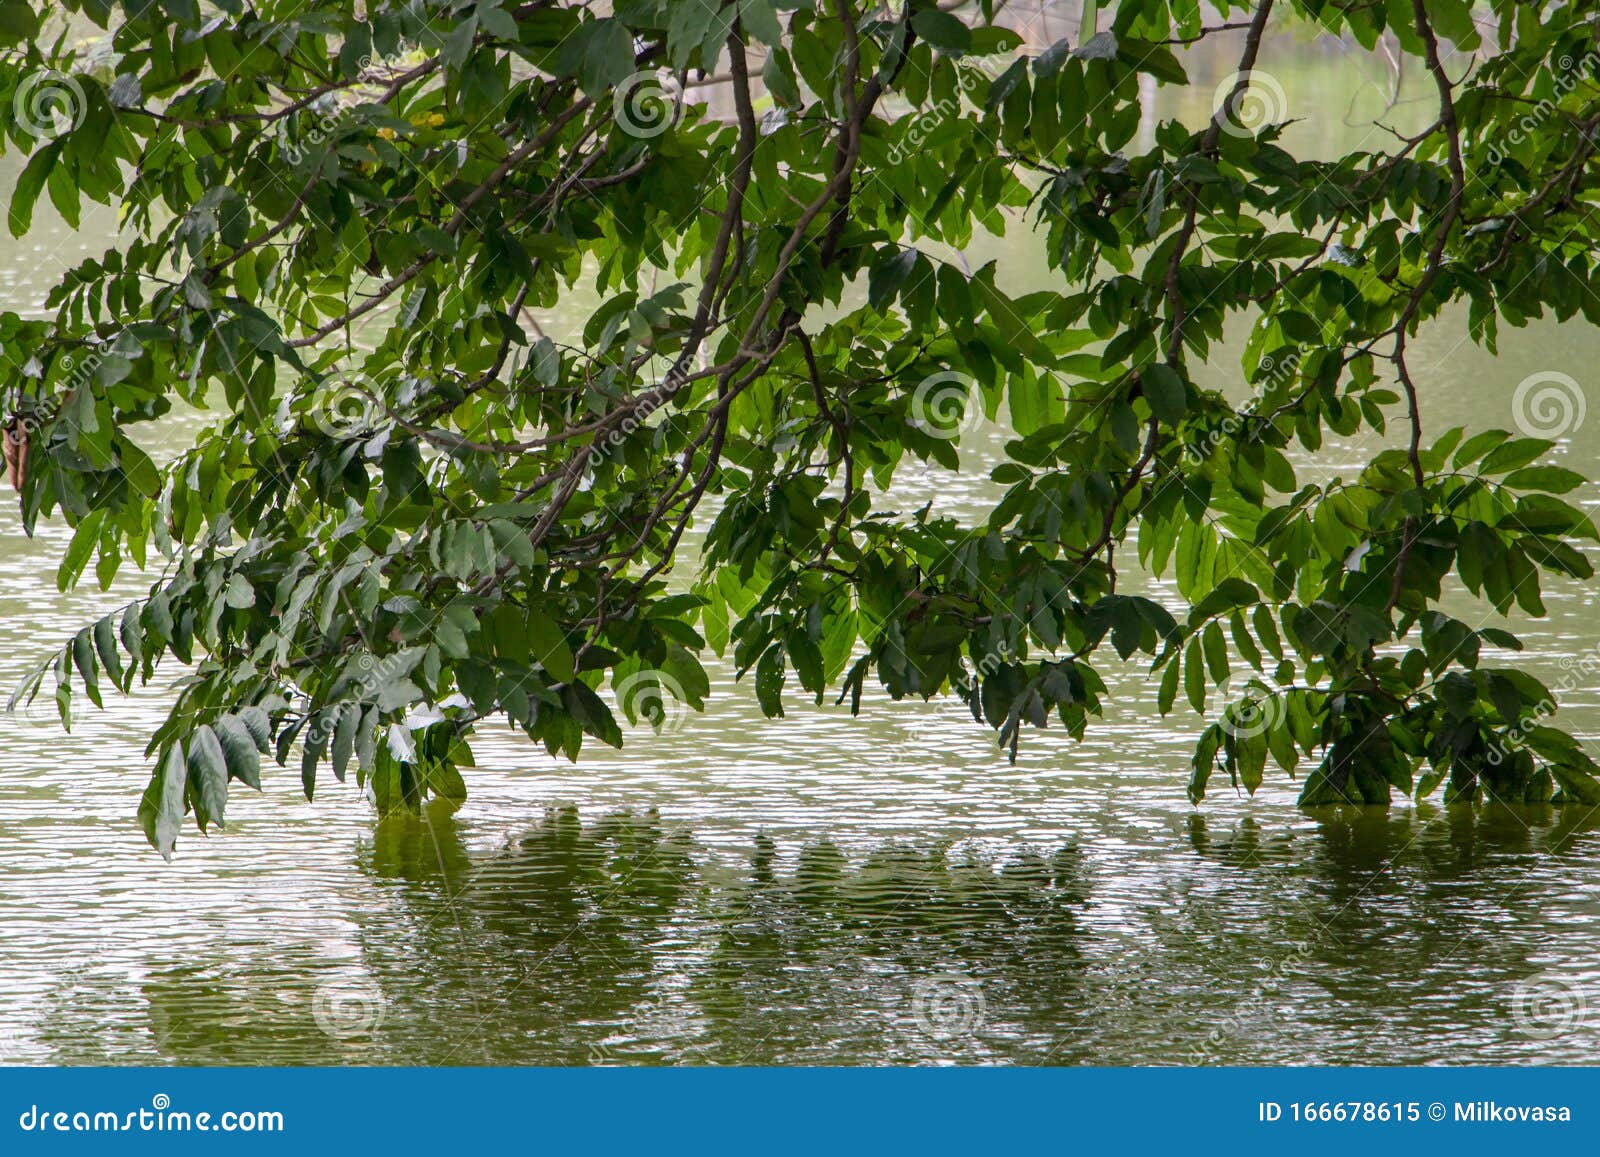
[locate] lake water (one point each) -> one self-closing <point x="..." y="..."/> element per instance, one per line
<point x="818" y="889"/>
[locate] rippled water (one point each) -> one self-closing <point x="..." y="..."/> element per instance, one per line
<point x="818" y="889"/>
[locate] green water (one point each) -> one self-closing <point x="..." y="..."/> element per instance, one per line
<point x="817" y="889"/>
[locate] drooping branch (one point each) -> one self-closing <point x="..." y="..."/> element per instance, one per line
<point x="1430" y="274"/>
<point x="1208" y="148"/>
<point x="1174" y="290"/>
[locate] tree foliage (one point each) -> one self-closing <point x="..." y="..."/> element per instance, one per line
<point x="415" y="512"/>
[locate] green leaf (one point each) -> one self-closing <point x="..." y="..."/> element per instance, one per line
<point x="458" y="44"/>
<point x="1518" y="452"/>
<point x="239" y="750"/>
<point x="105" y="644"/>
<point x="769" y="682"/>
<point x="1551" y="479"/>
<point x="29" y="185"/>
<point x="1477" y="446"/>
<point x="1194" y="677"/>
<point x="1216" y="652"/>
<point x="600" y="53"/>
<point x="1168" y="693"/>
<point x="760" y="19"/>
<point x="162" y="809"/>
<point x="944" y="31"/>
<point x="1101" y="46"/>
<point x="885" y="278"/>
<point x="344" y="739"/>
<point x="208" y="777"/>
<point x="1164" y="389"/>
<point x="547" y="643"/>
<point x="79" y="551"/>
<point x="83" y="659"/>
<point x="241" y="596"/>
<point x="18" y="23"/>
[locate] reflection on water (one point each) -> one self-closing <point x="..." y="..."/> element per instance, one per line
<point x="819" y="889"/>
<point x="1352" y="937"/>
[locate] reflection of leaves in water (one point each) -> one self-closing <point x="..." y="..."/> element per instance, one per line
<point x="819" y="965"/>
<point x="537" y="951"/>
<point x="1446" y="842"/>
<point x="1404" y="914"/>
<point x="1413" y="936"/>
<point x="198" y="1012"/>
<point x="621" y="940"/>
<point x="1244" y="847"/>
